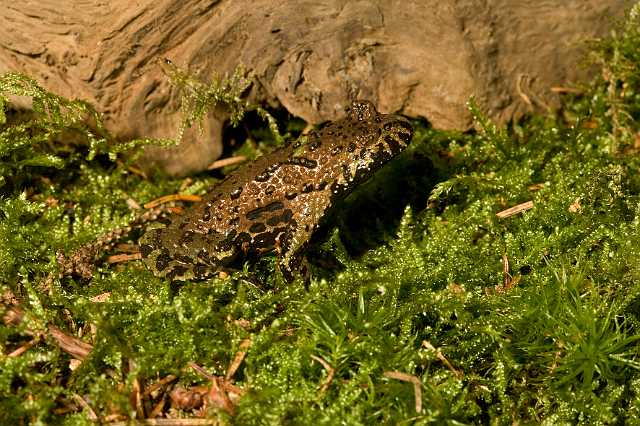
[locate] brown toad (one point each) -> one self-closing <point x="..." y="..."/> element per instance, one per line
<point x="277" y="201"/>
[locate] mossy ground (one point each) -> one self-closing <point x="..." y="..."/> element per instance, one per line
<point x="417" y="286"/>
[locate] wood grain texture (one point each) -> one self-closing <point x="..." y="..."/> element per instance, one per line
<point x="422" y="58"/>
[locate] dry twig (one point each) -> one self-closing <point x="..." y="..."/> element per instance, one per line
<point x="515" y="210"/>
<point x="330" y="373"/>
<point x="506" y="272"/>
<point x="237" y="360"/>
<point x="169" y="198"/>
<point x="69" y="344"/>
<point x="123" y="257"/>
<point x="459" y="374"/>
<point x="85" y="405"/>
<point x="417" y="386"/>
<point x="170" y="422"/>
<point x="218" y="164"/>
<point x="22" y="349"/>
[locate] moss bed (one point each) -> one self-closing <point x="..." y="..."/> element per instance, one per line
<point x="435" y="307"/>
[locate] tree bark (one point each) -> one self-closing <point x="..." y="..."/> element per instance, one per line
<point x="421" y="58"/>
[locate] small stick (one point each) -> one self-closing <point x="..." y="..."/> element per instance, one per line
<point x="536" y="186"/>
<point x="22" y="349"/>
<point x="330" y="372"/>
<point x="506" y="269"/>
<point x="172" y="197"/>
<point x="137" y="171"/>
<point x="169" y="422"/>
<point x="218" y="164"/>
<point x="417" y="386"/>
<point x="201" y="370"/>
<point x="85" y="405"/>
<point x="120" y="258"/>
<point x="70" y="344"/>
<point x="229" y="387"/>
<point x="515" y="210"/>
<point x="459" y="374"/>
<point x="157" y="409"/>
<point x="136" y="399"/>
<point x="102" y="297"/>
<point x="155" y="386"/>
<point x="237" y="360"/>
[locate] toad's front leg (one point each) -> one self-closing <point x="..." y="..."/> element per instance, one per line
<point x="292" y="243"/>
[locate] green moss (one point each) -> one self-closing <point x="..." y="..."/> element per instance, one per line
<point x="423" y="270"/>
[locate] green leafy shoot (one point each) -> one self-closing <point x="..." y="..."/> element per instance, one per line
<point x="198" y="97"/>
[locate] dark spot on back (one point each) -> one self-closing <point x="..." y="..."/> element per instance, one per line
<point x="177" y="271"/>
<point x="200" y="271"/>
<point x="256" y="213"/>
<point x="203" y="255"/>
<point x="336" y="150"/>
<point x="393" y="144"/>
<point x="276" y="205"/>
<point x="257" y="227"/>
<point x="163" y="259"/>
<point x="405" y="135"/>
<point x="184" y="259"/>
<point x="351" y="147"/>
<point x="303" y="161"/>
<point x="290" y="195"/>
<point x="345" y="172"/>
<point x="285" y="217"/>
<point x="225" y="245"/>
<point x="308" y="187"/>
<point x="146" y="249"/>
<point x="236" y="193"/>
<point x="274" y="220"/>
<point x="309" y="163"/>
<point x="262" y="177"/>
<point x="405" y="126"/>
<point x="314" y="144"/>
<point x="265" y="240"/>
<point x="243" y="238"/>
<point x="270" y="189"/>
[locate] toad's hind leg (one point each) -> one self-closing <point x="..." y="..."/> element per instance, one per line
<point x="183" y="254"/>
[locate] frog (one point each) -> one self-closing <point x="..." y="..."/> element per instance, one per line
<point x="277" y="202"/>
